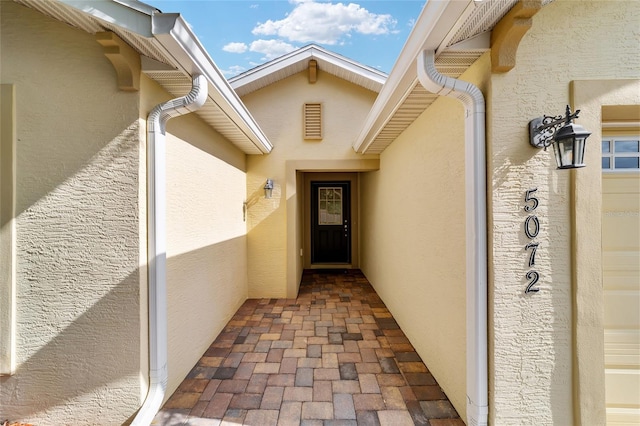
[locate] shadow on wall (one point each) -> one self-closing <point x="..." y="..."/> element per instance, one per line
<point x="45" y="167"/>
<point x="80" y="365"/>
<point x="90" y="371"/>
<point x="205" y="288"/>
<point x="258" y="207"/>
<point x="78" y="285"/>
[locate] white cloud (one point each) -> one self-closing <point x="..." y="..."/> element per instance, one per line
<point x="326" y="23"/>
<point x="235" y="48"/>
<point x="233" y="70"/>
<point x="271" y="48"/>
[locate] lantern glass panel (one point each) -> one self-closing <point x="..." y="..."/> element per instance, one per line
<point x="569" y="152"/>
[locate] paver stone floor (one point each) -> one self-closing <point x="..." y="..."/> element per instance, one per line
<point x="332" y="356"/>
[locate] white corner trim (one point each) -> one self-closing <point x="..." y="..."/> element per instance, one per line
<point x="7" y="230"/>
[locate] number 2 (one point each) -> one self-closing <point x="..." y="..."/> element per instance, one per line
<point x="534" y="277"/>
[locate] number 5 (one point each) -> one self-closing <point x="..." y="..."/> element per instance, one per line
<point x="530" y="198"/>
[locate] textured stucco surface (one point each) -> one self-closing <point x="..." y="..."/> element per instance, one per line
<point x="78" y="351"/>
<point x="413" y="244"/>
<point x="532" y="360"/>
<point x="278" y="110"/>
<point x="206" y="240"/>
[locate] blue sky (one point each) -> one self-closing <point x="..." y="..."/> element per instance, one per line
<point x="241" y="34"/>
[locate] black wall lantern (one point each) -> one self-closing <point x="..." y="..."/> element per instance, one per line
<point x="568" y="139"/>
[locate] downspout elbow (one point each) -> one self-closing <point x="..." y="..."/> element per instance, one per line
<point x="156" y="249"/>
<point x="186" y="104"/>
<point x="443" y="85"/>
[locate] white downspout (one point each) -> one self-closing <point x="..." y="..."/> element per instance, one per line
<point x="156" y="250"/>
<point x="476" y="225"/>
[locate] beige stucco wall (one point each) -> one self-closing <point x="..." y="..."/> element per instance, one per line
<point x="77" y="228"/>
<point x="546" y="361"/>
<point x="206" y="235"/>
<point x="413" y="237"/>
<point x="275" y="225"/>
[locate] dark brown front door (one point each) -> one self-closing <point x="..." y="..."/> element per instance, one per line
<point x="331" y="222"/>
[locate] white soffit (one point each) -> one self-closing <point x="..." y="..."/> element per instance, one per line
<point x="467" y="35"/>
<point x="298" y="61"/>
<point x="132" y="22"/>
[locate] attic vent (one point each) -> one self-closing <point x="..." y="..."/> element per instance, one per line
<point x="313" y="121"/>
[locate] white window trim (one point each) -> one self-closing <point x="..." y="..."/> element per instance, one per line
<point x="613" y="155"/>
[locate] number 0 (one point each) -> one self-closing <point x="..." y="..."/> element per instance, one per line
<point x="527" y="227"/>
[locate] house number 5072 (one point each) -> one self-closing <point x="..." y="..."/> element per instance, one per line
<point x="531" y="229"/>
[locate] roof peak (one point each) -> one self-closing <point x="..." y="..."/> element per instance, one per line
<point x="297" y="60"/>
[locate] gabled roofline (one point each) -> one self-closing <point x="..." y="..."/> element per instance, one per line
<point x="293" y="62"/>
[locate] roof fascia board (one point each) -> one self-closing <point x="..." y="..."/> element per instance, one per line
<point x="479" y="42"/>
<point x="269" y="68"/>
<point x="135" y="17"/>
<point x="310" y="52"/>
<point x="351" y="65"/>
<point x="456" y="26"/>
<point x="175" y="36"/>
<point x="431" y="28"/>
<point x="354" y="67"/>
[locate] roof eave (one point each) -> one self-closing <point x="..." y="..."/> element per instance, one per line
<point x="134" y="16"/>
<point x="177" y="38"/>
<point x="435" y="22"/>
<point x="171" y="34"/>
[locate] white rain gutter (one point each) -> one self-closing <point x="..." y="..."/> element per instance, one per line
<point x="476" y="225"/>
<point x="156" y="250"/>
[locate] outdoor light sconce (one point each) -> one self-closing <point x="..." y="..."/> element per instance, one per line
<point x="568" y="139"/>
<point x="268" y="188"/>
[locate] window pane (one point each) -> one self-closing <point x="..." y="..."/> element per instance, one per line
<point x="627" y="146"/>
<point x="627" y="162"/>
<point x="606" y="162"/>
<point x="605" y="146"/>
<point x="329" y="206"/>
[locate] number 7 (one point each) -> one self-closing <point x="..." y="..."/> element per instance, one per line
<point x="532" y="256"/>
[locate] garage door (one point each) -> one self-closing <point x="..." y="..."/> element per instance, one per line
<point x="621" y="268"/>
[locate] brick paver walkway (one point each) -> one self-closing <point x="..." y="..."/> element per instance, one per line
<point x="333" y="356"/>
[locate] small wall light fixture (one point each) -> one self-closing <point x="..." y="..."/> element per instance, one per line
<point x="568" y="139"/>
<point x="268" y="188"/>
